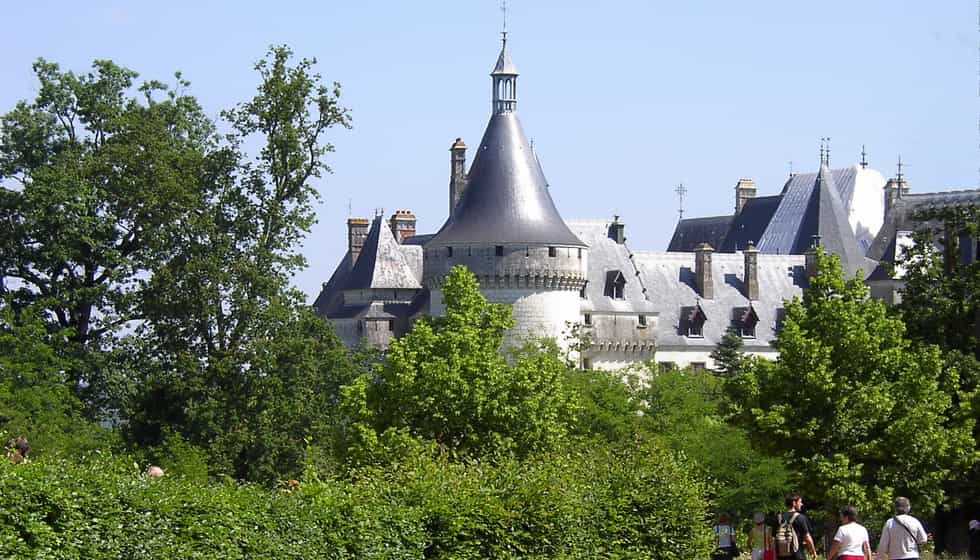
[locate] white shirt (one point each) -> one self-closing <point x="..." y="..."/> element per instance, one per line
<point x="723" y="534"/>
<point x="852" y="537"/>
<point x="897" y="543"/>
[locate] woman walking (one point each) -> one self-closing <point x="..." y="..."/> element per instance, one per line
<point x="851" y="540"/>
<point x="760" y="536"/>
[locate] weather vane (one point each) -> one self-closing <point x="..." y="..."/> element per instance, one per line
<point x="681" y="191"/>
<point x="900" y="166"/>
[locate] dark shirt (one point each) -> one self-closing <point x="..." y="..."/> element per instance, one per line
<point x="802" y="527"/>
<point x="974" y="550"/>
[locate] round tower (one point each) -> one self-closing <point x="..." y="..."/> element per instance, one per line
<point x="506" y="228"/>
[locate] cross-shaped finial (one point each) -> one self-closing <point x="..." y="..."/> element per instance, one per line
<point x="900" y="166"/>
<point x="864" y="158"/>
<point x="681" y="191"/>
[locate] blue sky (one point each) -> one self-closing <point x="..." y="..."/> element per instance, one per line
<point x="624" y="99"/>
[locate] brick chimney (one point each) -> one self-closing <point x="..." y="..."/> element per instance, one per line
<point x="744" y="190"/>
<point x="402" y="224"/>
<point x="457" y="173"/>
<point x="702" y="271"/>
<point x="357" y="230"/>
<point x="617" y="231"/>
<point x="751" y="279"/>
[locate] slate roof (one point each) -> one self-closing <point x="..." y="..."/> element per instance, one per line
<point x="504" y="65"/>
<point x="605" y="257"/>
<point x="691" y="232"/>
<point x="383" y="264"/>
<point x="506" y="200"/>
<point x="900" y="217"/>
<point x="749" y="224"/>
<point x="669" y="279"/>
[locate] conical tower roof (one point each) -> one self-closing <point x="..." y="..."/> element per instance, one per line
<point x="506" y="200"/>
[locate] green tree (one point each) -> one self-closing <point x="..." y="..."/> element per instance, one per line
<point x="855" y="409"/>
<point x="227" y="346"/>
<point x="686" y="408"/>
<point x="93" y="178"/>
<point x="728" y="355"/>
<point x="447" y="382"/>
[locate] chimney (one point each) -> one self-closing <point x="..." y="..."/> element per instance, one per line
<point x="402" y="224"/>
<point x="457" y="173"/>
<point x="617" y="231"/>
<point x="810" y="257"/>
<point x="702" y="271"/>
<point x="357" y="230"/>
<point x="895" y="189"/>
<point x="751" y="279"/>
<point x="744" y="190"/>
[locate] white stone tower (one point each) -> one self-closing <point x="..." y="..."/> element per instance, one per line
<point x="506" y="229"/>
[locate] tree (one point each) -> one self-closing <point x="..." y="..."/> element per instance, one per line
<point x="225" y="337"/>
<point x="856" y="410"/>
<point x="728" y="355"/>
<point x="93" y="179"/>
<point x="446" y="382"/>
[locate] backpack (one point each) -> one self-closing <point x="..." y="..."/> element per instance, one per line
<point x="786" y="542"/>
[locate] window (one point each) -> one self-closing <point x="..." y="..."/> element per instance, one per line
<point x="580" y="252"/>
<point x="499" y="250"/>
<point x="391" y="325"/>
<point x="666" y="366"/>
<point x="642" y="321"/>
<point x="744" y="319"/>
<point x="581" y="293"/>
<point x="552" y="251"/>
<point x="449" y="251"/>
<point x="615" y="284"/>
<point x="698" y="366"/>
<point x="360" y="327"/>
<point x="586" y="363"/>
<point x="587" y="319"/>
<point x="692" y="321"/>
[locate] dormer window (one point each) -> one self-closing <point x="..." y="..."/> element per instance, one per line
<point x="692" y="321"/>
<point x="744" y="319"/>
<point x="615" y="284"/>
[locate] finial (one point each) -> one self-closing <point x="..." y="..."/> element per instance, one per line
<point x="681" y="191"/>
<point x="900" y="177"/>
<point x="349" y="201"/>
<point x="825" y="150"/>
<point x="503" y="33"/>
<point x="791" y="169"/>
<point x="864" y="158"/>
<point x="615" y="218"/>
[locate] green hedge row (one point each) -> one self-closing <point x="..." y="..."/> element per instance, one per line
<point x="599" y="503"/>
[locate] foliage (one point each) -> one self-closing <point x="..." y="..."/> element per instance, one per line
<point x="686" y="408"/>
<point x="855" y="409"/>
<point x="228" y="356"/>
<point x="447" y="382"/>
<point x="629" y="503"/>
<point x="608" y="405"/>
<point x="93" y="179"/>
<point x="728" y="355"/>
<point x="35" y="399"/>
<point x="941" y="297"/>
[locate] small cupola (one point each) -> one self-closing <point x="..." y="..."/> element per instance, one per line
<point x="504" y="82"/>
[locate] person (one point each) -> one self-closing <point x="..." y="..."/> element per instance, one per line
<point x="18" y="450"/>
<point x="851" y="541"/>
<point x="724" y="539"/>
<point x="760" y="536"/>
<point x="974" y="547"/>
<point x="902" y="535"/>
<point x="800" y="524"/>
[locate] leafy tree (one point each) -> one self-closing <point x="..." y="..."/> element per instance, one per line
<point x="728" y="355"/>
<point x="941" y="297"/>
<point x="447" y="382"/>
<point x="686" y="408"/>
<point x="227" y="348"/>
<point x="93" y="178"/>
<point x="855" y="409"/>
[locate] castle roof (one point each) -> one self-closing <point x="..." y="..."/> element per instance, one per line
<point x="384" y="263"/>
<point x="504" y="65"/>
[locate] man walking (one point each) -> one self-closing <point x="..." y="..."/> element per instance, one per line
<point x="902" y="535"/>
<point x="794" y="531"/>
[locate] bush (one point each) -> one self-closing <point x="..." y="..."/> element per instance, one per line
<point x="594" y="503"/>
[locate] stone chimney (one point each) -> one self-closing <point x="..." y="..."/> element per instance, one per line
<point x="457" y="173"/>
<point x="402" y="224"/>
<point x="617" y="231"/>
<point x="810" y="257"/>
<point x="357" y="230"/>
<point x="751" y="279"/>
<point x="744" y="190"/>
<point x="702" y="271"/>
